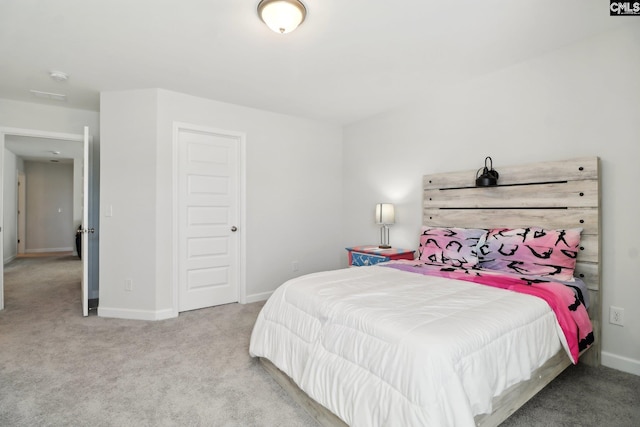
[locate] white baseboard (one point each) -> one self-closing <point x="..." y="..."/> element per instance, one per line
<point x="258" y="297"/>
<point x="125" y="313"/>
<point x="9" y="259"/>
<point x="621" y="363"/>
<point x="37" y="251"/>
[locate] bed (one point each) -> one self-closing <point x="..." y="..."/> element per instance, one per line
<point x="394" y="344"/>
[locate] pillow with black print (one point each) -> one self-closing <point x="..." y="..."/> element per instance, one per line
<point x="450" y="246"/>
<point x="531" y="251"/>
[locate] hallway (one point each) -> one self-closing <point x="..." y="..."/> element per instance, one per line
<point x="43" y="283"/>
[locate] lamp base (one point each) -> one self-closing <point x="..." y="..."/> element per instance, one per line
<point x="384" y="237"/>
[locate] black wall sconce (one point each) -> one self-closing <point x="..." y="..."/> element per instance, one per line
<point x="489" y="175"/>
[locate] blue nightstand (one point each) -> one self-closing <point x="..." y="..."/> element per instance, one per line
<point x="370" y="255"/>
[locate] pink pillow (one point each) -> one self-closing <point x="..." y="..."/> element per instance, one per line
<point x="450" y="246"/>
<point x="531" y="251"/>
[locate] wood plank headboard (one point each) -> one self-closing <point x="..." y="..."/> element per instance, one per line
<point x="561" y="194"/>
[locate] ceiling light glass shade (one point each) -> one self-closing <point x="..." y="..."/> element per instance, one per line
<point x="282" y="16"/>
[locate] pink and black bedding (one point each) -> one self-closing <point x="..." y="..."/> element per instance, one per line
<point x="453" y="246"/>
<point x="429" y="341"/>
<point x="531" y="251"/>
<point x="528" y="260"/>
<point x="569" y="309"/>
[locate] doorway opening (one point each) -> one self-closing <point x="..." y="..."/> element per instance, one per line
<point x="44" y="195"/>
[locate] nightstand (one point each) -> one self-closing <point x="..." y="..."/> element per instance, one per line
<point x="372" y="254"/>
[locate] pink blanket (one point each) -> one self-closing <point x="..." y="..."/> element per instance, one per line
<point x="571" y="313"/>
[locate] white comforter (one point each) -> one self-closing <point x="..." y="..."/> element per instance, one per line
<point x="383" y="347"/>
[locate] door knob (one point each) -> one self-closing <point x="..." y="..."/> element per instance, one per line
<point x="234" y="228"/>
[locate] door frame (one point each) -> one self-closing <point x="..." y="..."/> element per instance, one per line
<point x="241" y="233"/>
<point x="4" y="131"/>
<point x="22" y="212"/>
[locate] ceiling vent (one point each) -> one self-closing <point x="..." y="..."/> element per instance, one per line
<point x="49" y="95"/>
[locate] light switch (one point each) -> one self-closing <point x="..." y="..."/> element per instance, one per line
<point x="109" y="211"/>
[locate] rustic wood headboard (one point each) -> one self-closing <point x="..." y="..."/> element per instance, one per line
<point x="561" y="194"/>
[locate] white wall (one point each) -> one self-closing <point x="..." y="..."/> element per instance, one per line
<point x="128" y="185"/>
<point x="580" y="100"/>
<point x="51" y="118"/>
<point x="49" y="207"/>
<point x="293" y="192"/>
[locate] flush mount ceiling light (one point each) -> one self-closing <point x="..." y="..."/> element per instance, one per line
<point x="282" y="16"/>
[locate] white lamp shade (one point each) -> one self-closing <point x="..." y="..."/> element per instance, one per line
<point x="385" y="213"/>
<point x="282" y="16"/>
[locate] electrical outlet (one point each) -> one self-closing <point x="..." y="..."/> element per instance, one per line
<point x="295" y="266"/>
<point x="616" y="315"/>
<point x="128" y="285"/>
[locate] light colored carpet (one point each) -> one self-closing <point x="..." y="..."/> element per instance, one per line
<point x="60" y="369"/>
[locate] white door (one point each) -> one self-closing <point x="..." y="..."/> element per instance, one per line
<point x="1" y="221"/>
<point x="21" y="212"/>
<point x="208" y="228"/>
<point x="85" y="224"/>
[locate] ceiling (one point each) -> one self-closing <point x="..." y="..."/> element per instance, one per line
<point x="44" y="149"/>
<point x="349" y="60"/>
